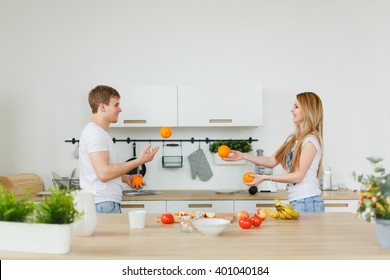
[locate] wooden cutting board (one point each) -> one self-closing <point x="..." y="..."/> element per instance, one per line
<point x="226" y="216"/>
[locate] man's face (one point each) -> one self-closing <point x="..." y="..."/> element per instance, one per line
<point x="112" y="110"/>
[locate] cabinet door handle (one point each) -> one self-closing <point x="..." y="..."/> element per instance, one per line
<point x="133" y="121"/>
<point x="205" y="205"/>
<point x="265" y="205"/>
<point x="220" y="120"/>
<point x="128" y="206"/>
<point x="336" y="204"/>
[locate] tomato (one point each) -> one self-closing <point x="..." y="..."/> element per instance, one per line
<point x="256" y="221"/>
<point x="245" y="223"/>
<point x="167" y="218"/>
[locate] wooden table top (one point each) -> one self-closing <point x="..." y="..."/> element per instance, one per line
<point x="318" y="236"/>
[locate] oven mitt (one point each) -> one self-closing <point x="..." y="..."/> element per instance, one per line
<point x="200" y="166"/>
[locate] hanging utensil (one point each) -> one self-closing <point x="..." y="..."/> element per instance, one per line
<point x="139" y="169"/>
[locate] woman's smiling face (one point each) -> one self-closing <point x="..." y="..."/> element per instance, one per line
<point x="297" y="113"/>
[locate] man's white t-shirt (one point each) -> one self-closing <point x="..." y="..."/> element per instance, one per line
<point x="95" y="139"/>
<point x="310" y="185"/>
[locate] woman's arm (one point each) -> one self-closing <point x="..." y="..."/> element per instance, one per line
<point x="258" y="160"/>
<point x="307" y="156"/>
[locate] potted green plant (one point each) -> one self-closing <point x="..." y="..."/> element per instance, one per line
<point x="374" y="202"/>
<point x="243" y="146"/>
<point x="39" y="227"/>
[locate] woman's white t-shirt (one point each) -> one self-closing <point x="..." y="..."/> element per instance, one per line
<point x="95" y="139"/>
<point x="310" y="185"/>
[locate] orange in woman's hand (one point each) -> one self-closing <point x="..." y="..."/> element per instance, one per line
<point x="137" y="181"/>
<point x="165" y="132"/>
<point x="223" y="151"/>
<point x="247" y="178"/>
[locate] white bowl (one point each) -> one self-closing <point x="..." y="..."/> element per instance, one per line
<point x="211" y="226"/>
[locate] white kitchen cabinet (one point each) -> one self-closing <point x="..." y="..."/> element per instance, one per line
<point x="151" y="206"/>
<point x="216" y="105"/>
<point x="251" y="205"/>
<point x="217" y="206"/>
<point x="148" y="106"/>
<point x="341" y="205"/>
<point x="330" y="205"/>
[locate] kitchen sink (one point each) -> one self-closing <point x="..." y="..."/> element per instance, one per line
<point x="139" y="192"/>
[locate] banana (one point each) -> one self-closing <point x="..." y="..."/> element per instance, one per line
<point x="281" y="215"/>
<point x="278" y="202"/>
<point x="272" y="213"/>
<point x="295" y="214"/>
<point x="289" y="206"/>
<point x="286" y="211"/>
<point x="286" y="214"/>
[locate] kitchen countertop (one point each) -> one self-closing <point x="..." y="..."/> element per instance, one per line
<point x="240" y="195"/>
<point x="318" y="236"/>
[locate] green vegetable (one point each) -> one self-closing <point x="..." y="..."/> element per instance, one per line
<point x="238" y="145"/>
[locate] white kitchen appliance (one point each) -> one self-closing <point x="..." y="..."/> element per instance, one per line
<point x="266" y="186"/>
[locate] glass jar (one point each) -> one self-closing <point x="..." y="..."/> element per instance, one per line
<point x="186" y="224"/>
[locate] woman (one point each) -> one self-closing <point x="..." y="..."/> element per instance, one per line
<point x="300" y="155"/>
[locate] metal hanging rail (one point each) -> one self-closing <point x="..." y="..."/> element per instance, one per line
<point x="192" y="140"/>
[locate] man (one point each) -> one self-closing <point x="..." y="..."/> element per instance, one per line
<point x="100" y="171"/>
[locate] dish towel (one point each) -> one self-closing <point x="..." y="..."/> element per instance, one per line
<point x="200" y="166"/>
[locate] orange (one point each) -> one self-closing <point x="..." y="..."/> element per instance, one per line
<point x="247" y="178"/>
<point x="137" y="181"/>
<point x="165" y="132"/>
<point x="223" y="151"/>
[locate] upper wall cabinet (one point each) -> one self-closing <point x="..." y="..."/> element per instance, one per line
<point x="220" y="105"/>
<point x="148" y="106"/>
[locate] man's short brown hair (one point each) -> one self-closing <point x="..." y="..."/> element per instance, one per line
<point x="101" y="94"/>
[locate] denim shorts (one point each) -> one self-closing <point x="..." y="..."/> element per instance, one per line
<point x="108" y="207"/>
<point x="309" y="204"/>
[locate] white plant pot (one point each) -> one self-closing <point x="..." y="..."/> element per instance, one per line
<point x="218" y="161"/>
<point x="35" y="238"/>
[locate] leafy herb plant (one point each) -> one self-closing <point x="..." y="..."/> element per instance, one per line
<point x="13" y="208"/>
<point x="238" y="145"/>
<point x="58" y="208"/>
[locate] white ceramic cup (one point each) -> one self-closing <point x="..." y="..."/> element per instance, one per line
<point x="137" y="219"/>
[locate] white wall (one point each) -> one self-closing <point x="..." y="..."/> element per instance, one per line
<point x="53" y="52"/>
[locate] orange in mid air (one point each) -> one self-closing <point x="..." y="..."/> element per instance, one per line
<point x="247" y="178"/>
<point x="165" y="132"/>
<point x="223" y="151"/>
<point x="137" y="181"/>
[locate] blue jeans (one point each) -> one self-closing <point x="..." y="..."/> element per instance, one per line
<point x="309" y="204"/>
<point x="108" y="207"/>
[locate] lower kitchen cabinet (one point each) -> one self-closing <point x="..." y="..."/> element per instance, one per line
<point x="251" y="205"/>
<point x="217" y="206"/>
<point x="330" y="205"/>
<point x="154" y="206"/>
<point x="341" y="206"/>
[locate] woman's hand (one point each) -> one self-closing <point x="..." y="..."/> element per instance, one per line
<point x="257" y="180"/>
<point x="234" y="156"/>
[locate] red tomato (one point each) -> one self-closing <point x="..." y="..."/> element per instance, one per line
<point x="167" y="218"/>
<point x="245" y="223"/>
<point x="256" y="221"/>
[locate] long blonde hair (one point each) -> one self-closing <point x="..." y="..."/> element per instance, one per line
<point x="311" y="107"/>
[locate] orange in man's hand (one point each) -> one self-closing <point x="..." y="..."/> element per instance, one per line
<point x="137" y="181"/>
<point x="223" y="151"/>
<point x="247" y="178"/>
<point x="165" y="132"/>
